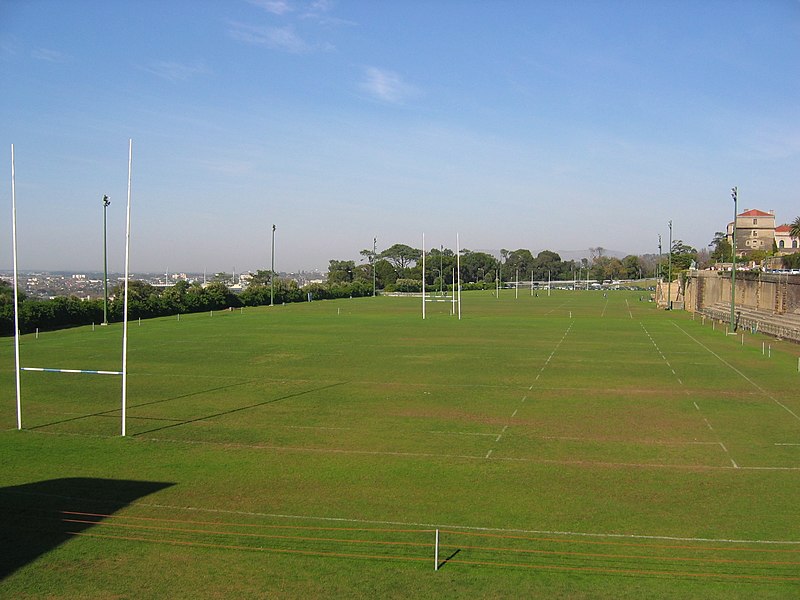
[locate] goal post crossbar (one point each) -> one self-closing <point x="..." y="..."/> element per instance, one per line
<point x="86" y="371"/>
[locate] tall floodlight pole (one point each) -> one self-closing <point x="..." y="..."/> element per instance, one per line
<point x="735" y="196"/>
<point x="374" y="257"/>
<point x="669" y="269"/>
<point x="106" y="202"/>
<point x="658" y="265"/>
<point x="548" y="283"/>
<point x="272" y="272"/>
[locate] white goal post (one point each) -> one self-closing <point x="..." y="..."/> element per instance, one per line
<point x="19" y="368"/>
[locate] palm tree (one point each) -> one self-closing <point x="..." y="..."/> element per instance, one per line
<point x="795" y="231"/>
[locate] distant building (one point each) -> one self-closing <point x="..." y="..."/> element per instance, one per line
<point x="755" y="230"/>
<point x="784" y="241"/>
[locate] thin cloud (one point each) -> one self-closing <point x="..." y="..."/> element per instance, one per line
<point x="48" y="55"/>
<point x="278" y="38"/>
<point x="276" y="7"/>
<point x="174" y="71"/>
<point x="387" y="86"/>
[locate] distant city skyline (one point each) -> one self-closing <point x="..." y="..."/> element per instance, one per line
<point x="538" y="125"/>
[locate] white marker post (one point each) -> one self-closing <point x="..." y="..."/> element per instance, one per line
<point x="436" y="553"/>
<point x="125" y="308"/>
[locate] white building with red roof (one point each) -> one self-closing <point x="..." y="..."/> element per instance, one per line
<point x="784" y="241"/>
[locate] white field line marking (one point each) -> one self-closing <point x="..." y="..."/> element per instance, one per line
<point x="733" y="462"/>
<point x="462" y="433"/>
<point x="580" y="463"/>
<point x="598" y="463"/>
<point x="605" y="306"/>
<point x="705" y="420"/>
<point x="315" y="427"/>
<point x="544" y="366"/>
<point x="565" y="438"/>
<point x="463" y="527"/>
<point x="786" y="444"/>
<point x="501" y="434"/>
<point x="745" y="377"/>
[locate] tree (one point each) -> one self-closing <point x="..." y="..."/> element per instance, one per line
<point x="791" y="261"/>
<point x="596" y="253"/>
<point x="607" y="267"/>
<point x="722" y="250"/>
<point x="340" y="271"/>
<point x="261" y="277"/>
<point x="683" y="256"/>
<point x="548" y="263"/>
<point x="477" y="266"/>
<point x="401" y="257"/>
<point x="521" y="261"/>
<point x="385" y="273"/>
<point x="633" y="270"/>
<point x="795" y="228"/>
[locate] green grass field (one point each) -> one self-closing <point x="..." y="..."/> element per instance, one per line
<point x="574" y="446"/>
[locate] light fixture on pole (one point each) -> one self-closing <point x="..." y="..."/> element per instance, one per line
<point x="106" y="202"/>
<point x="658" y="265"/>
<point x="735" y="196"/>
<point x="272" y="272"/>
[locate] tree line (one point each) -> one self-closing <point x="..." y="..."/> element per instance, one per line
<point x="396" y="269"/>
<point x="399" y="267"/>
<point x="146" y="301"/>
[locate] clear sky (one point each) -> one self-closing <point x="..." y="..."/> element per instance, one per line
<point x="557" y="125"/>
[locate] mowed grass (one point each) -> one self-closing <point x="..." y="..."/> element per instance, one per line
<point x="575" y="445"/>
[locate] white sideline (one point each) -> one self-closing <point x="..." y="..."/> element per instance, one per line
<point x="465" y="527"/>
<point x="745" y="377"/>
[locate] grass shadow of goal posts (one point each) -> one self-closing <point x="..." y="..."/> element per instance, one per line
<point x="36" y="518"/>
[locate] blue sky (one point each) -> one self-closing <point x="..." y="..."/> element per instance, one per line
<point x="540" y="125"/>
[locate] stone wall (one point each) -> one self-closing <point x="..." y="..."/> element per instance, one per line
<point x="777" y="294"/>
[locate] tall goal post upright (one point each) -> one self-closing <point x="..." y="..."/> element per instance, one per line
<point x="16" y="292"/>
<point x="458" y="271"/>
<point x="423" y="276"/>
<point x="125" y="303"/>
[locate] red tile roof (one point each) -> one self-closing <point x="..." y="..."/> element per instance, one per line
<point x="754" y="212"/>
<point x="783" y="229"/>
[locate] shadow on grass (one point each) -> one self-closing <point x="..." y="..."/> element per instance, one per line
<point x="449" y="558"/>
<point x="32" y="516"/>
<point x="114" y="412"/>
<point x="241" y="408"/>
